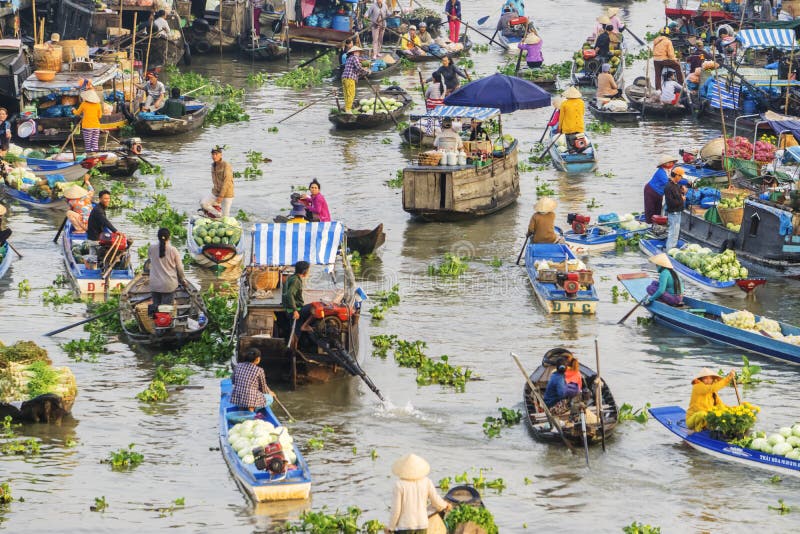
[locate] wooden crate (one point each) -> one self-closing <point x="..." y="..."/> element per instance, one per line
<point x="260" y="321"/>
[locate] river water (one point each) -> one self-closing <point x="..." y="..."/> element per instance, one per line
<point x="646" y="474"/>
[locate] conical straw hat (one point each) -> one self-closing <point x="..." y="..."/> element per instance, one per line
<point x="75" y="191"/>
<point x="411" y="467"/>
<point x="662" y="260"/>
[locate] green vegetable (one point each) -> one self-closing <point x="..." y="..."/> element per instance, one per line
<point x="464" y="513"/>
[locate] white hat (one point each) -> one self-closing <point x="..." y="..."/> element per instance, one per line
<point x="705" y="371"/>
<point x="411" y="467"/>
<point x="423" y="24"/>
<point x="355" y="49"/>
<point x="75" y="191"/>
<point x="412" y="27"/>
<point x="663" y="159"/>
<point x="611" y="11"/>
<point x="90" y="96"/>
<point x="602" y="19"/>
<point x="573" y="92"/>
<point x="545" y="205"/>
<point x="662" y="260"/>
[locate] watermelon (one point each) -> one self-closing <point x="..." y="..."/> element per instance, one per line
<point x="202" y="233"/>
<point x="199" y="240"/>
<point x="221" y="232"/>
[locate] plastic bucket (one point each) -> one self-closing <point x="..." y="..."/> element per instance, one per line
<point x="26" y="129"/>
<point x="341" y="23"/>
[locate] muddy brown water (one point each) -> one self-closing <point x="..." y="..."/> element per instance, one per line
<point x="646" y="474"/>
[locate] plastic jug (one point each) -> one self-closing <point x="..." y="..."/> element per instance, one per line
<point x="462" y="158"/>
<point x="452" y="158"/>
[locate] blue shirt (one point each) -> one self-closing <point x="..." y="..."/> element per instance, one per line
<point x="556" y="389"/>
<point x="5" y="126"/>
<point x="665" y="284"/>
<point x="659" y="181"/>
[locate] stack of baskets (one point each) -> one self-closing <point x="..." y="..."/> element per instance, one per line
<point x="430" y="158"/>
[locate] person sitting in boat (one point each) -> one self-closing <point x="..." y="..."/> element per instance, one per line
<point x="155" y="93"/>
<point x="504" y="23"/>
<point x="98" y="220"/>
<point x="450" y="74"/>
<point x="532" y="45"/>
<point x="426" y="39"/>
<point x="570" y="118"/>
<point x="298" y="313"/>
<point x="435" y="92"/>
<point x="557" y="394"/>
<point x="5" y="233"/>
<point x="572" y="375"/>
<point x="542" y="226"/>
<point x="556" y="102"/>
<point x="705" y="386"/>
<point x="696" y="59"/>
<point x="476" y="131"/>
<point x="614" y="20"/>
<point x="175" y="106"/>
<point x="411" y="43"/>
<point x="607" y="88"/>
<point x="166" y="271"/>
<point x="160" y="24"/>
<point x="5" y="132"/>
<point x="411" y="495"/>
<point x="315" y="204"/>
<point x="448" y="139"/>
<point x="80" y="204"/>
<point x="668" y="288"/>
<point x="670" y="89"/>
<point x="298" y="214"/>
<point x="250" y="382"/>
<point x="693" y="80"/>
<point x="654" y="189"/>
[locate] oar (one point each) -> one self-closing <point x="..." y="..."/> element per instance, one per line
<point x="736" y="389"/>
<point x="598" y="396"/>
<point x="482" y="20"/>
<point x="553" y="421"/>
<point x="291" y="419"/>
<point x="630" y="312"/>
<point x="546" y="150"/>
<point x="77" y="124"/>
<point x="585" y="441"/>
<point x="491" y="39"/>
<point x="548" y="124"/>
<point x="90" y="319"/>
<point x="519" y="56"/>
<point x="641" y="43"/>
<point x="378" y="96"/>
<point x="313" y="59"/>
<point x="60" y="229"/>
<point x="421" y="82"/>
<point x="525" y="244"/>
<point x="327" y="95"/>
<point x="195" y="89"/>
<point x="12" y="247"/>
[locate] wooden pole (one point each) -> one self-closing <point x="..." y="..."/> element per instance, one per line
<point x="721" y="109"/>
<point x="35" y="22"/>
<point x="149" y="41"/>
<point x="119" y="28"/>
<point x="789" y="80"/>
<point x="133" y="61"/>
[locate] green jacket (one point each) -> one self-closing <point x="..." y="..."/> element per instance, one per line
<point x="175" y="108"/>
<point x="292" y="295"/>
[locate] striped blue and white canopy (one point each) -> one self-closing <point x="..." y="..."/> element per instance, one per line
<point x="464" y="111"/>
<point x="728" y="95"/>
<point x="766" y="38"/>
<point x="287" y="243"/>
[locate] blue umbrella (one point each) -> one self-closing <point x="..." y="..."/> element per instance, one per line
<point x="508" y="93"/>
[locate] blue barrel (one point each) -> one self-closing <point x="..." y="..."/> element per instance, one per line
<point x="749" y="106"/>
<point x="341" y="23"/>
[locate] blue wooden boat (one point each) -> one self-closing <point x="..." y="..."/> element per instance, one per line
<point x="740" y="287"/>
<point x="702" y="318"/>
<point x="674" y="418"/>
<point x="557" y="291"/>
<point x="31" y="201"/>
<point x="259" y="485"/>
<point x="6" y="259"/>
<point x="87" y="280"/>
<point x="599" y="238"/>
<point x="585" y="161"/>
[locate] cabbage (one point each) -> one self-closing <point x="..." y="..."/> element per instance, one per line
<point x="767" y="448"/>
<point x="244" y="451"/>
<point x="291" y="457"/>
<point x="248" y="459"/>
<point x="796" y="429"/>
<point x="794" y="441"/>
<point x="230" y="221"/>
<point x="761" y="434"/>
<point x="784" y="431"/>
<point x="759" y="444"/>
<point x="774" y="439"/>
<point x="781" y="449"/>
<point x="794" y="454"/>
<point x="673" y="252"/>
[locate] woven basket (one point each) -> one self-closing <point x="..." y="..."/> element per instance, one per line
<point x="144" y="319"/>
<point x="47" y="57"/>
<point x="264" y="279"/>
<point x="430" y="158"/>
<point x="733" y="192"/>
<point x="731" y="215"/>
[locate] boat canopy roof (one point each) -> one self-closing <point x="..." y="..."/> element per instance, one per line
<point x="68" y="83"/>
<point x="277" y="244"/>
<point x="461" y="111"/>
<point x="767" y="38"/>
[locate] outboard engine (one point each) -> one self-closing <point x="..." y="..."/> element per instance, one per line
<point x="578" y="222"/>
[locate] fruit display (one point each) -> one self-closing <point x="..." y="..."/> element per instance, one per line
<point x="371" y="106"/>
<point x="733" y="227"/>
<point x="226" y="231"/>
<point x="723" y="266"/>
<point x="745" y="320"/>
<point x="741" y="148"/>
<point x="247" y="435"/>
<point x="732" y="203"/>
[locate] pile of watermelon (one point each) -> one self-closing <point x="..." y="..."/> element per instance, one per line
<point x="225" y="231"/>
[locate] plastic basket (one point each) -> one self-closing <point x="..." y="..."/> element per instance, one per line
<point x="239" y="417"/>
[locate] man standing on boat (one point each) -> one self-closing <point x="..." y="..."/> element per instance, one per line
<point x="297" y="312"/>
<point x="222" y="189"/>
<point x="675" y="197"/>
<point x="664" y="57"/>
<point x="654" y="190"/>
<point x="352" y="70"/>
<point x="377" y="14"/>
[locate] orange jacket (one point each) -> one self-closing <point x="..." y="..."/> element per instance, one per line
<point x="663" y="49"/>
<point x="91" y="114"/>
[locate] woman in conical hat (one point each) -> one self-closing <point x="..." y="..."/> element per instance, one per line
<point x="80" y="205"/>
<point x="91" y="111"/>
<point x="705" y="386"/>
<point x="412" y="492"/>
<point x="542" y="226"/>
<point x="668" y="288"/>
<point x="532" y="45"/>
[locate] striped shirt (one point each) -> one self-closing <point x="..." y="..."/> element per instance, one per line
<point x="353" y="68"/>
<point x="249" y="385"/>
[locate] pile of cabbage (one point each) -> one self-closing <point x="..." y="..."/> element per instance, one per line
<point x="572" y="265"/>
<point x="371" y="106"/>
<point x="226" y="231"/>
<point x="785" y="442"/>
<point x="745" y="320"/>
<point x="246" y="436"/>
<point x="723" y="266"/>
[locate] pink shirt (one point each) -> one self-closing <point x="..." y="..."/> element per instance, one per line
<point x="319" y="206"/>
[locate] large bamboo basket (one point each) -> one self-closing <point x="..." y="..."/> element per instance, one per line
<point x="73" y="49"/>
<point x="47" y="57"/>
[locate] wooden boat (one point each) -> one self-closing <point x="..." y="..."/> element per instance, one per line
<point x="69" y="172"/>
<point x="263" y="49"/>
<point x="366" y="241"/>
<point x="260" y="485"/>
<point x="450" y="193"/>
<point x="599" y="238"/>
<point x="88" y="277"/>
<point x="674" y="419"/>
<point x="637" y="94"/>
<point x="119" y="162"/>
<point x="217" y="257"/>
<point x="702" y="318"/>
<point x="548" y="82"/>
<point x="31" y="201"/>
<point x="585" y="78"/>
<point x="739" y="287"/>
<point x="538" y="424"/>
<point x="464" y="39"/>
<point x="184" y="320"/>
<point x="353" y="121"/>
<point x="262" y="322"/>
<point x="6" y="259"/>
<point x="557" y="291"/>
<point x="164" y="52"/>
<point x="378" y="75"/>
<point x="315" y="36"/>
<point x="572" y="163"/>
<point x="195" y="115"/>
<point x="631" y="115"/>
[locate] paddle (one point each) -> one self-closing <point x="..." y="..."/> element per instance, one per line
<point x="641" y="43"/>
<point x="630" y="312"/>
<point x="525" y="244"/>
<point x="318" y="56"/>
<point x="90" y="319"/>
<point x="291" y="419"/>
<point x="482" y="20"/>
<point x="546" y="150"/>
<point x="60" y="229"/>
<point x="12" y="247"/>
<point x="378" y="96"/>
<point x="548" y="124"/>
<point x="585" y="441"/>
<point x="421" y="82"/>
<point x="736" y="389"/>
<point x="598" y="398"/>
<point x="519" y="56"/>
<point x="327" y="95"/>
<point x="552" y="420"/>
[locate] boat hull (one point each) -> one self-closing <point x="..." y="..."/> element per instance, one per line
<point x="32" y="202"/>
<point x="674" y="419"/>
<point x="89" y="281"/>
<point x="187" y="123"/>
<point x="552" y="297"/>
<point x="625" y="117"/>
<point x="590" y="243"/>
<point x="8" y="259"/>
<point x="366" y="241"/>
<point x="356" y="121"/>
<point x="573" y="163"/>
